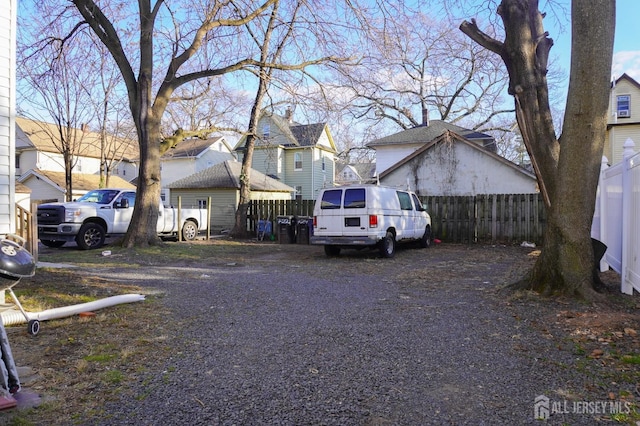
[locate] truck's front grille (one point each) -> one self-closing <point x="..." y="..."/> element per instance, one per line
<point x="50" y="215"/>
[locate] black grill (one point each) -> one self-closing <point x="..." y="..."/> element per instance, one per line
<point x="50" y="215"/>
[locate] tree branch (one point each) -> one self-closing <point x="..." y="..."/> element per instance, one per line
<point x="483" y="39"/>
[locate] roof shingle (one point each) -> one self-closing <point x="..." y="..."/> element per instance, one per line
<point x="227" y="175"/>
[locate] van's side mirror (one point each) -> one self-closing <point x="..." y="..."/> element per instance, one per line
<point x="122" y="204"/>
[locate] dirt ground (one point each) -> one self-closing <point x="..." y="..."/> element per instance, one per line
<point x="77" y="363"/>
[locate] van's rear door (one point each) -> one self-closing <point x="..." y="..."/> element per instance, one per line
<point x="356" y="217"/>
<point x="329" y="214"/>
<point x="342" y="212"/>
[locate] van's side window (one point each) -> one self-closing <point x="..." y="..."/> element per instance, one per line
<point x="417" y="202"/>
<point x="354" y="198"/>
<point x="405" y="200"/>
<point x="331" y="199"/>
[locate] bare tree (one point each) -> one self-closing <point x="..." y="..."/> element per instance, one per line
<point x="414" y="64"/>
<point x="567" y="167"/>
<point x="57" y="90"/>
<point x="275" y="38"/>
<point x="111" y="114"/>
<point x="211" y="103"/>
<point x="189" y="43"/>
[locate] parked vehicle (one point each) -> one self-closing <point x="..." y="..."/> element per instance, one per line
<point x="106" y="213"/>
<point x="369" y="216"/>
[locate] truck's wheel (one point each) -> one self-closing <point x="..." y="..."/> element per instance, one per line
<point x="91" y="236"/>
<point x="425" y="241"/>
<point x="332" y="251"/>
<point x="189" y="230"/>
<point x="388" y="246"/>
<point x="53" y="244"/>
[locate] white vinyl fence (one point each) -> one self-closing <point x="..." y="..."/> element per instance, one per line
<point x="616" y="221"/>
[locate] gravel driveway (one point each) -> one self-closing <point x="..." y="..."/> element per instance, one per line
<point x="296" y="338"/>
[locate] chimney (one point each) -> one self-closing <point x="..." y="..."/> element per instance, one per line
<point x="425" y="117"/>
<point x="288" y="115"/>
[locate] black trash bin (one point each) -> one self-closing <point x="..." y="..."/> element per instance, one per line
<point x="286" y="229"/>
<point x="304" y="226"/>
<point x="599" y="250"/>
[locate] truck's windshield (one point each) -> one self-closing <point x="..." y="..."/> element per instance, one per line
<point x="100" y="196"/>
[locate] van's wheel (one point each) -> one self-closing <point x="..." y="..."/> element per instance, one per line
<point x="388" y="246"/>
<point x="332" y="251"/>
<point x="91" y="236"/>
<point x="425" y="241"/>
<point x="189" y="230"/>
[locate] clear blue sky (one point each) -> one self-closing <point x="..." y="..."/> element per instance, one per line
<point x="626" y="57"/>
<point x="626" y="49"/>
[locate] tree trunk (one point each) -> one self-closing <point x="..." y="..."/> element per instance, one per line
<point x="264" y="74"/>
<point x="68" y="181"/>
<point x="567" y="170"/>
<point x="240" y="227"/>
<point x="142" y="229"/>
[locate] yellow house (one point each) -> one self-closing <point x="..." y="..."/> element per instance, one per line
<point x="624" y="117"/>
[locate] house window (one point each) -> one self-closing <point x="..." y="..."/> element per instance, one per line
<point x="624" y="106"/>
<point x="298" y="192"/>
<point x="297" y="161"/>
<point x="202" y="204"/>
<point x="324" y="166"/>
<point x="17" y="161"/>
<point x="266" y="130"/>
<point x="279" y="165"/>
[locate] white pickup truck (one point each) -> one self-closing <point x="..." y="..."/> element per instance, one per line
<point x="107" y="212"/>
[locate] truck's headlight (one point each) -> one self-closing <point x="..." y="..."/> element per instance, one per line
<point x="70" y="215"/>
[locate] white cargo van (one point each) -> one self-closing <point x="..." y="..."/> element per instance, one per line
<point x="368" y="216"/>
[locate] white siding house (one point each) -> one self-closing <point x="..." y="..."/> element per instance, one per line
<point x="8" y="13"/>
<point x="393" y="148"/>
<point x="192" y="156"/>
<point x="36" y="150"/>
<point x="453" y="165"/>
<point x="47" y="186"/>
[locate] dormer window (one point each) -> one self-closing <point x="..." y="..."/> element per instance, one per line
<point x="624" y="106"/>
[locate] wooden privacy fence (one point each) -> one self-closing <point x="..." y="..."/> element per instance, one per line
<point x="498" y="218"/>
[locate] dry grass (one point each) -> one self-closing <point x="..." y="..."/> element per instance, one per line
<point x="78" y="363"/>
